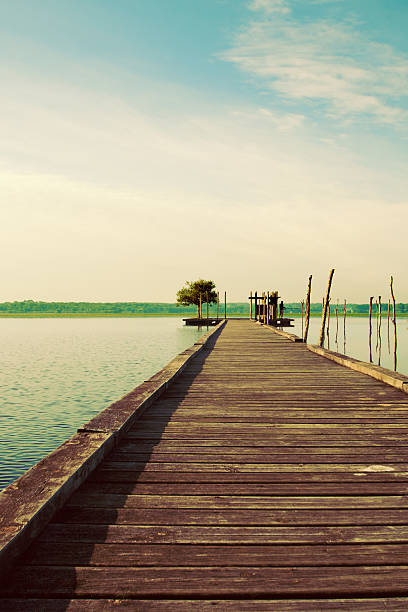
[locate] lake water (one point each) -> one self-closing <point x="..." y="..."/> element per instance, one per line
<point x="355" y="342"/>
<point x="55" y="374"/>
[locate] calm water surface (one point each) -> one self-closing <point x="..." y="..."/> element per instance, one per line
<point x="355" y="341"/>
<point x="55" y="374"/>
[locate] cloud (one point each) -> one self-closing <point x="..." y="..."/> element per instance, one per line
<point x="270" y="6"/>
<point x="283" y="122"/>
<point x="325" y="62"/>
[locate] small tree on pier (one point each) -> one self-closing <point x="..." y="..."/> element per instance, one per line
<point x="191" y="292"/>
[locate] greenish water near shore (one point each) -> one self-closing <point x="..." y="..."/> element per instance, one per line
<point x="57" y="373"/>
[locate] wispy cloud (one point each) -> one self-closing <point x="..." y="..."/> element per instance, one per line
<point x="332" y="63"/>
<point x="283" y="122"/>
<point x="270" y="6"/>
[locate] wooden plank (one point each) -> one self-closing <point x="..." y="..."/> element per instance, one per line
<point x="162" y="555"/>
<point x="311" y="439"/>
<point x="165" y="534"/>
<point x="149" y="605"/>
<point x="231" y="476"/>
<point x="237" y="488"/>
<point x="290" y="457"/>
<point x="208" y="582"/>
<point x="182" y="516"/>
<point x="257" y="467"/>
<point x="106" y="500"/>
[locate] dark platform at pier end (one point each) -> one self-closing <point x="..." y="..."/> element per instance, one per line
<point x="263" y="477"/>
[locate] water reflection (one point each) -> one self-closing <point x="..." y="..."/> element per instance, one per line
<point x="353" y="339"/>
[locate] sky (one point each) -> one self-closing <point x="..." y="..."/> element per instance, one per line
<point x="144" y="143"/>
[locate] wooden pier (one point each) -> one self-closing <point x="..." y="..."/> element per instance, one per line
<point x="265" y="477"/>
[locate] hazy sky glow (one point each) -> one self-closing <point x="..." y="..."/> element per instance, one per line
<point x="146" y="142"/>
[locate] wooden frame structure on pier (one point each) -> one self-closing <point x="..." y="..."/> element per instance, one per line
<point x="265" y="309"/>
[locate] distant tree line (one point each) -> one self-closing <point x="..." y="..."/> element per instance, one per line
<point x="31" y="306"/>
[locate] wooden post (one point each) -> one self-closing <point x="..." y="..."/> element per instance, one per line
<point x="225" y="304"/>
<point x="250" y="305"/>
<point x="307" y="313"/>
<point x="263" y="307"/>
<point x="200" y="308"/>
<point x="376" y="328"/>
<point x="370" y="309"/>
<point x="394" y="323"/>
<point x="207" y="307"/>
<point x="302" y="305"/>
<point x="218" y="304"/>
<point x="337" y="320"/>
<point x="328" y="326"/>
<point x="379" y="330"/>
<point x="344" y="328"/>
<point x="256" y="305"/>
<point x="274" y="299"/>
<point x="326" y="303"/>
<point x="267" y="310"/>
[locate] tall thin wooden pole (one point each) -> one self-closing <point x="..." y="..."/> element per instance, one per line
<point x="250" y="305"/>
<point x="200" y="308"/>
<point x="267" y="309"/>
<point x="302" y="304"/>
<point x="326" y="304"/>
<point x="376" y="320"/>
<point x="344" y="327"/>
<point x="256" y="306"/>
<point x="379" y="330"/>
<point x="218" y="304"/>
<point x="328" y="326"/>
<point x="337" y="320"/>
<point x="370" y="329"/>
<point x="207" y="307"/>
<point x="307" y="313"/>
<point x="394" y="323"/>
<point x="263" y="308"/>
<point x="225" y="304"/>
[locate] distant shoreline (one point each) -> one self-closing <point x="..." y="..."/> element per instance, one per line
<point x="138" y="315"/>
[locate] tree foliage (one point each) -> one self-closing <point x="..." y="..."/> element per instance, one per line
<point x="191" y="292"/>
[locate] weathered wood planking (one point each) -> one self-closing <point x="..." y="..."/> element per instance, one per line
<point x="265" y="478"/>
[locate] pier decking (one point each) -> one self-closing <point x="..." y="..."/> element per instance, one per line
<point x="266" y="477"/>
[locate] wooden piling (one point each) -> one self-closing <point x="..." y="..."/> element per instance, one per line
<point x="337" y="320"/>
<point x="267" y="309"/>
<point x="256" y="306"/>
<point x="376" y="321"/>
<point x="250" y="305"/>
<point x="394" y="323"/>
<point x="326" y="304"/>
<point x="263" y="307"/>
<point x="379" y="330"/>
<point x="225" y="304"/>
<point x="307" y="313"/>
<point x="370" y="309"/>
<point x="302" y="305"/>
<point x="344" y="327"/>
